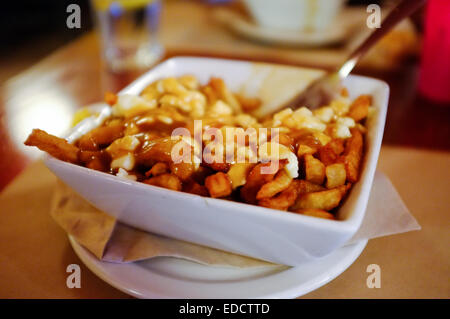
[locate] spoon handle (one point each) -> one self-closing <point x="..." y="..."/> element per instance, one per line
<point x="401" y="11"/>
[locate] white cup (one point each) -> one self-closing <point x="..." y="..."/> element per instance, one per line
<point x="294" y="14"/>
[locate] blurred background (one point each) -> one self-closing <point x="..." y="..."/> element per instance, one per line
<point x="30" y="30"/>
<point x="48" y="68"/>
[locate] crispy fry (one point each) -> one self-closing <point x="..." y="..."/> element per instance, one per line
<point x="156" y="150"/>
<point x="283" y="200"/>
<point x="224" y="94"/>
<point x="97" y="164"/>
<point x="98" y="160"/>
<point x="189" y="81"/>
<point x="325" y="200"/>
<point x="182" y="170"/>
<point x="157" y="169"/>
<point x="220" y="167"/>
<point x="360" y="108"/>
<point x="193" y="187"/>
<point x="314" y="169"/>
<point x="218" y="185"/>
<point x="210" y="94"/>
<point x="336" y="145"/>
<point x="308" y="187"/>
<point x="101" y="136"/>
<point x="329" y="153"/>
<point x="248" y="104"/>
<point x="55" y="146"/>
<point x="315" y="213"/>
<point x="304" y="187"/>
<point x="281" y="181"/>
<point x="352" y="155"/>
<point x="336" y="175"/>
<point x="256" y="179"/>
<point x="87" y="156"/>
<point x="169" y="181"/>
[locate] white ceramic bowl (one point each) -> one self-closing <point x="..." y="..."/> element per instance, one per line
<point x="309" y="15"/>
<point x="277" y="236"/>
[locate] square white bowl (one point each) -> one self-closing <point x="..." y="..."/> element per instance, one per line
<point x="263" y="233"/>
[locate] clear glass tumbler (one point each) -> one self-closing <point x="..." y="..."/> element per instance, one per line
<point x="129" y="32"/>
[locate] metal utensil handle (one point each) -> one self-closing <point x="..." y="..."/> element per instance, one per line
<point x="403" y="10"/>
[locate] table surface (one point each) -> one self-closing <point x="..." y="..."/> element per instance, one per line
<point x="414" y="156"/>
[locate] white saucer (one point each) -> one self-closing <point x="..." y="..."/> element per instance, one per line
<point x="166" y="277"/>
<point x="340" y="31"/>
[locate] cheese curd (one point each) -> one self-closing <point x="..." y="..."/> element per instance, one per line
<point x="129" y="105"/>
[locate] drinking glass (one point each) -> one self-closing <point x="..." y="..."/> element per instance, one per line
<point x="129" y="32"/>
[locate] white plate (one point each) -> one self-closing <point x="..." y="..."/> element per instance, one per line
<point x="341" y="30"/>
<point x="166" y="277"/>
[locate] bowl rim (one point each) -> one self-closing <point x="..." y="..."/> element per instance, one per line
<point x="349" y="224"/>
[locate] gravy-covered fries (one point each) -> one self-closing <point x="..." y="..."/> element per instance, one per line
<point x="202" y="139"/>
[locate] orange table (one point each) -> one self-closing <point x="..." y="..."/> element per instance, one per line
<point x="34" y="251"/>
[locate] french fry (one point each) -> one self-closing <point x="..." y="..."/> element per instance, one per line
<point x="101" y="136"/>
<point x="314" y="170"/>
<point x="304" y="187"/>
<point x="336" y="175"/>
<point x="315" y="213"/>
<point x="157" y="150"/>
<point x="248" y="104"/>
<point x="325" y="200"/>
<point x="210" y="94"/>
<point x="329" y="153"/>
<point x="225" y="94"/>
<point x="98" y="160"/>
<point x="182" y="170"/>
<point x="218" y="185"/>
<point x="158" y="169"/>
<point x="305" y="149"/>
<point x="336" y="145"/>
<point x="169" y="181"/>
<point x="97" y="164"/>
<point x="281" y="181"/>
<point x="359" y="109"/>
<point x="87" y="156"/>
<point x="283" y="200"/>
<point x="217" y="166"/>
<point x="193" y="187"/>
<point x="352" y="155"/>
<point x="308" y="187"/>
<point x="190" y="82"/>
<point x="55" y="146"/>
<point x="255" y="180"/>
